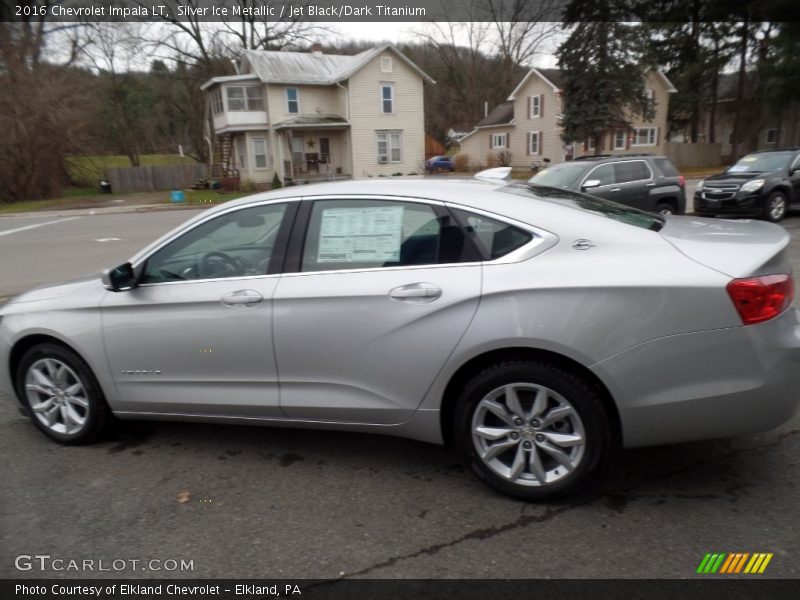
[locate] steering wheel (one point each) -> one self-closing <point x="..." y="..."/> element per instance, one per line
<point x="216" y="264"/>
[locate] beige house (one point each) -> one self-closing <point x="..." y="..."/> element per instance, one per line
<point x="308" y="116"/>
<point x="526" y="130"/>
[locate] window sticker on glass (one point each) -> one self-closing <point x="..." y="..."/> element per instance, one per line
<point x="361" y="234"/>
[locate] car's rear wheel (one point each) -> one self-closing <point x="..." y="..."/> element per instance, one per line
<point x="532" y="430"/>
<point x="776" y="206"/>
<point x="62" y="395"/>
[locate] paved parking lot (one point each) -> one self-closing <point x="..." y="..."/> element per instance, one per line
<point x="277" y="503"/>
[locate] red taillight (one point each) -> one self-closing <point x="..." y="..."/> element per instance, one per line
<point x="682" y="180"/>
<point x="759" y="299"/>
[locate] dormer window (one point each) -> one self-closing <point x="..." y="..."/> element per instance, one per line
<point x="292" y="101"/>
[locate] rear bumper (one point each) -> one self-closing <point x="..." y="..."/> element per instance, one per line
<point x="709" y="384"/>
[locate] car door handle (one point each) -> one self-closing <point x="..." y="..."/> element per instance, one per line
<point x="614" y="189"/>
<point x="242" y="298"/>
<point x="651" y="184"/>
<point x="416" y="293"/>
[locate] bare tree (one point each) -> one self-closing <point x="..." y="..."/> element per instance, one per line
<point x="44" y="108"/>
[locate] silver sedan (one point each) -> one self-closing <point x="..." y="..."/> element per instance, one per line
<point x="535" y="329"/>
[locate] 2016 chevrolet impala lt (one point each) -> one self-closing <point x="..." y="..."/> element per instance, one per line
<point x="534" y="328"/>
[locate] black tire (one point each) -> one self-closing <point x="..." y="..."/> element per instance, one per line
<point x="96" y="415"/>
<point x="581" y="395"/>
<point x="776" y="207"/>
<point x="665" y="208"/>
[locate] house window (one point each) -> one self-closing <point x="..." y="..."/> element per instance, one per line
<point x="260" y="153"/>
<point x="619" y="139"/>
<point x="644" y="136"/>
<point x="245" y="97"/>
<point x="590" y="143"/>
<point x="535" y="107"/>
<point x="216" y="102"/>
<point x="772" y="136"/>
<point x="499" y="140"/>
<point x="535" y="143"/>
<point x="386" y="64"/>
<point x="387" y="99"/>
<point x="730" y="136"/>
<point x="651" y="94"/>
<point x="390" y="145"/>
<point x="292" y="101"/>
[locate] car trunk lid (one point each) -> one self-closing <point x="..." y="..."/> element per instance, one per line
<point x="735" y="248"/>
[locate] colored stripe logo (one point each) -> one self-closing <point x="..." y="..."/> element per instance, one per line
<point x="735" y="562"/>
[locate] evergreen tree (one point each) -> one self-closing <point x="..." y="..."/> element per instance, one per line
<point x="602" y="71"/>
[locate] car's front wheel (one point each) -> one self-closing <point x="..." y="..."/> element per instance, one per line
<point x="532" y="430"/>
<point x="62" y="395"/>
<point x="776" y="207"/>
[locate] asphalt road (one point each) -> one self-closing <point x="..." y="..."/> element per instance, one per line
<point x="274" y="503"/>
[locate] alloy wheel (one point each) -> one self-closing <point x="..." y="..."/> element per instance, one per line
<point x="528" y="434"/>
<point x="777" y="207"/>
<point x="57" y="396"/>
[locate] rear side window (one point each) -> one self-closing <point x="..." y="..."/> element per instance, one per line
<point x="635" y="170"/>
<point x="494" y="237"/>
<point x="370" y="234"/>
<point x="666" y="168"/>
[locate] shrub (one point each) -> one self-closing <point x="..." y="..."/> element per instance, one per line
<point x="276" y="182"/>
<point x="247" y="186"/>
<point x="461" y="163"/>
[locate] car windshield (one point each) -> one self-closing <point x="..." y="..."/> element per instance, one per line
<point x="562" y="176"/>
<point x="761" y="163"/>
<point x="604" y="208"/>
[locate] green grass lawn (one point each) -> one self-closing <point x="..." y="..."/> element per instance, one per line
<point x="88" y="170"/>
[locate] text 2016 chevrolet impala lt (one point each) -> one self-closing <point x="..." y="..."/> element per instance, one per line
<point x="533" y="327"/>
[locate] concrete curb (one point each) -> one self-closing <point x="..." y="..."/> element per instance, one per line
<point x="134" y="208"/>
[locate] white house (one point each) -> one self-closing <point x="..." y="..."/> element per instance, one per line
<point x="526" y="129"/>
<point x="309" y="115"/>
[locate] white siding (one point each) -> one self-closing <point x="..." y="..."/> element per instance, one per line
<point x="367" y="117"/>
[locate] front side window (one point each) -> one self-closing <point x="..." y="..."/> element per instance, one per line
<point x="390" y="145"/>
<point x="604" y="174"/>
<point x="236" y="244"/>
<point x="644" y="136"/>
<point x="369" y="234"/>
<point x="499" y="140"/>
<point x="260" y="153"/>
<point x="635" y="170"/>
<point x="387" y="99"/>
<point x="292" y="101"/>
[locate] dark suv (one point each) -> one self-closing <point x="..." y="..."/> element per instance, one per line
<point x="762" y="184"/>
<point x="643" y="181"/>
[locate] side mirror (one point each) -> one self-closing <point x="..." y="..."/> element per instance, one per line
<point x="120" y="278"/>
<point x="591" y="183"/>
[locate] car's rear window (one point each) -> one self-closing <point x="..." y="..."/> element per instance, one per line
<point x="598" y="206"/>
<point x="666" y="167"/>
